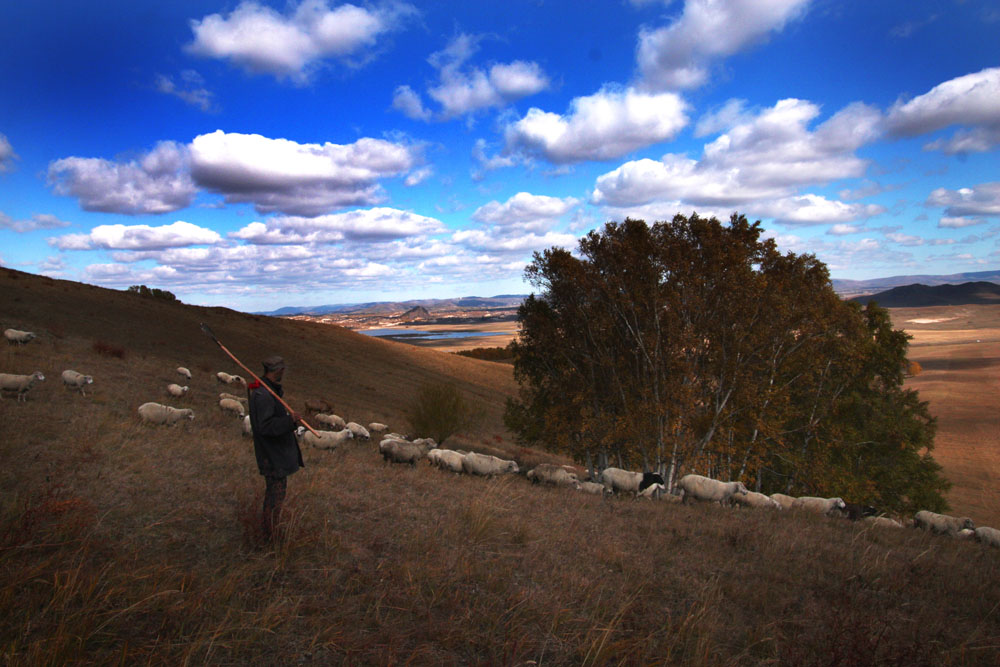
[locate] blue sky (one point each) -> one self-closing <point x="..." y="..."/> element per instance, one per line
<point x="257" y="155"/>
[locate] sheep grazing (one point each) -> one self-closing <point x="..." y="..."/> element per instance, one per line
<point x="16" y="337"/>
<point x="486" y="465"/>
<point x="883" y="522"/>
<point x="247" y="428"/>
<point x="625" y="481"/>
<point x="756" y="501"/>
<point x="706" y="489"/>
<point x="377" y="428"/>
<point x="20" y="383"/>
<point x="941" y="524"/>
<point x="156" y="413"/>
<point x="325" y="440"/>
<point x="183" y="372"/>
<point x="965" y="534"/>
<point x="176" y="390"/>
<point x="359" y="431"/>
<point x="426" y="443"/>
<point x="653" y="490"/>
<point x="241" y="399"/>
<point x="990" y="536"/>
<point x="819" y="505"/>
<point x="229" y="405"/>
<point x="76" y="380"/>
<point x="400" y="451"/>
<point x="331" y="420"/>
<point x="786" y="502"/>
<point x="592" y="487"/>
<point x="314" y="405"/>
<point x="226" y="378"/>
<point x="446" y="459"/>
<point x="546" y="473"/>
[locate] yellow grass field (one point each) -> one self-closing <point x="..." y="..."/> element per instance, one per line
<point x="959" y="350"/>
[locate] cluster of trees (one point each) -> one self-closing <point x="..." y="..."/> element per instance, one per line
<point x="696" y="346"/>
<point x="152" y="293"/>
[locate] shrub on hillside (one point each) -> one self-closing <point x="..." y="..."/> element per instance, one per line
<point x="913" y="368"/>
<point x="498" y="354"/>
<point x="439" y="412"/>
<point x="152" y="293"/>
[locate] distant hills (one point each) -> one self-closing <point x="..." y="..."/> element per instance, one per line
<point x="851" y="288"/>
<point x="860" y="290"/>
<point x="918" y="296"/>
<point x="389" y="307"/>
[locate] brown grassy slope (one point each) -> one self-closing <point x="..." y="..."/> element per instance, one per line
<point x="126" y="543"/>
<point x="960" y="356"/>
<point x="365" y="379"/>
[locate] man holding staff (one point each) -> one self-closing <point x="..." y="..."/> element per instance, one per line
<point x="274" y="441"/>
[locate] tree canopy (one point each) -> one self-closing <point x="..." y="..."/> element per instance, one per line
<point x="696" y="346"/>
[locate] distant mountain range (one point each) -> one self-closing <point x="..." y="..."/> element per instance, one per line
<point x="847" y="289"/>
<point x="918" y="296"/>
<point x="850" y="288"/>
<point x="389" y="307"/>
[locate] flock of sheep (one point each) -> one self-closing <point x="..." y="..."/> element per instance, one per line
<point x="396" y="448"/>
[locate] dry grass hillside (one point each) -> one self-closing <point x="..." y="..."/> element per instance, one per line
<point x="124" y="543"/>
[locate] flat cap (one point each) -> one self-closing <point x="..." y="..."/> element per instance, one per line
<point x="273" y="363"/>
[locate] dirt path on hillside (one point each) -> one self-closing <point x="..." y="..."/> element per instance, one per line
<point x="961" y="380"/>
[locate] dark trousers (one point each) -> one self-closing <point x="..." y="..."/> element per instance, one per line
<point x="274" y="496"/>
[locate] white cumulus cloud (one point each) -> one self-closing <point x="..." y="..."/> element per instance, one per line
<point x="369" y="225"/>
<point x="137" y="237"/>
<point x="680" y="54"/>
<point x="158" y="182"/>
<point x="766" y="158"/>
<point x="983" y="199"/>
<point x="7" y="154"/>
<point x="525" y="209"/>
<point x="462" y="90"/>
<point x="298" y="179"/>
<point x="969" y="100"/>
<point x="35" y="222"/>
<point x="260" y="39"/>
<point x="602" y="126"/>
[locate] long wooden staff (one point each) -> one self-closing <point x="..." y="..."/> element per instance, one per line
<point x="204" y="327"/>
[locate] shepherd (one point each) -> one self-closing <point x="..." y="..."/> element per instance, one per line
<point x="274" y="441"/>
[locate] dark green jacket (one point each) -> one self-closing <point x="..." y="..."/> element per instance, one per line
<point x="274" y="440"/>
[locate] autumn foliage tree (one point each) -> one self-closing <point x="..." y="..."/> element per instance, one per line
<point x="696" y="346"/>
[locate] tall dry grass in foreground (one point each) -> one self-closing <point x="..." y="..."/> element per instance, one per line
<point x="122" y="543"/>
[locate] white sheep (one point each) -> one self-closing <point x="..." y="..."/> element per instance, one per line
<point x="229" y="405"/>
<point x="652" y="490"/>
<point x="965" y="534"/>
<point x="16" y="337"/>
<point x="76" y="380"/>
<point x="176" y="390"/>
<point x="786" y="502"/>
<point x="241" y="399"/>
<point x="486" y="465"/>
<point x="818" y="505"/>
<point x="377" y="428"/>
<point x="247" y="428"/>
<point x="325" y="440"/>
<point x="184" y="372"/>
<point x="757" y="501"/>
<point x="551" y="474"/>
<point x="333" y="421"/>
<point x="20" y="383"/>
<point x="156" y="413"/>
<point x="401" y="451"/>
<point x="446" y="459"/>
<point x="626" y="481"/>
<point x="359" y="431"/>
<point x="226" y="378"/>
<point x="394" y="436"/>
<point x="706" y="489"/>
<point x="987" y="535"/>
<point x="426" y="443"/>
<point x="592" y="487"/>
<point x="941" y="523"/>
<point x="883" y="522"/>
